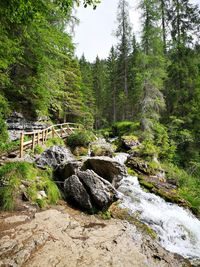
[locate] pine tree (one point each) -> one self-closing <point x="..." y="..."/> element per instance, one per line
<point x="124" y="35"/>
<point x="152" y="100"/>
<point x="112" y="86"/>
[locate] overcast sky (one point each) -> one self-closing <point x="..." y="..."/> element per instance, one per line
<point x="95" y="33"/>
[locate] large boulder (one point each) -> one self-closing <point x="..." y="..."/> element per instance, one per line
<point x="65" y="171"/>
<point x="108" y="168"/>
<point x="89" y="191"/>
<point x="54" y="156"/>
<point x="101" y="148"/>
<point x="76" y="193"/>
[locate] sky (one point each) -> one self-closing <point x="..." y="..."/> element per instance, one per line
<point x="95" y="33"/>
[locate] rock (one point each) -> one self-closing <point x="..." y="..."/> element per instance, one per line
<point x="16" y="219"/>
<point x="69" y="238"/>
<point x="41" y="194"/>
<point x="54" y="156"/>
<point x="17" y="122"/>
<point x="129" y="142"/>
<point x="89" y="191"/>
<point x="102" y="193"/>
<point x="67" y="170"/>
<point x="138" y="165"/>
<point x="107" y="168"/>
<point x="101" y="148"/>
<point x="76" y="194"/>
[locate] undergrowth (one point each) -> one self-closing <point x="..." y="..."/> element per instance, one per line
<point x="22" y="178"/>
<point x="189" y="185"/>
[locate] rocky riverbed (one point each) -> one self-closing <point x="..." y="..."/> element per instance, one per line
<point x="62" y="236"/>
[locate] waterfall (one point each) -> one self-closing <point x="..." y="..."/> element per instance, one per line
<point x="178" y="230"/>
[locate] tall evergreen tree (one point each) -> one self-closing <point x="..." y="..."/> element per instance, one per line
<point x="124" y="35"/>
<point x="152" y="100"/>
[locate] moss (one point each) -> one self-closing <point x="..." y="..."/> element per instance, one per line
<point x="105" y="215"/>
<point x="131" y="172"/>
<point x="18" y="175"/>
<point x="80" y="151"/>
<point x="130" y="137"/>
<point x="146" y="184"/>
<point x="123" y="214"/>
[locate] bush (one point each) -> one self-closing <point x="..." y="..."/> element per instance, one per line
<point x="124" y="128"/>
<point x="13" y="176"/>
<point x="80" y="138"/>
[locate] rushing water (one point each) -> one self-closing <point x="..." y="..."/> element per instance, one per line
<point x="178" y="229"/>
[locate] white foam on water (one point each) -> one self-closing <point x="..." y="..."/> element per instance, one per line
<point x="177" y="228"/>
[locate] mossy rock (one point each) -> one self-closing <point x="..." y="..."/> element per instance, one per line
<point x="80" y="151"/>
<point x="102" y="150"/>
<point x="123" y="214"/>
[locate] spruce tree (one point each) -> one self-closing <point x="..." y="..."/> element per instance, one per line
<point x="152" y="100"/>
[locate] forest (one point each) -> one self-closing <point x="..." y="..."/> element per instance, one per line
<point x="149" y="85"/>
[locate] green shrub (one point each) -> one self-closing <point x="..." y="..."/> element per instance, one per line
<point x="80" y="138"/>
<point x="13" y="175"/>
<point x="124" y="128"/>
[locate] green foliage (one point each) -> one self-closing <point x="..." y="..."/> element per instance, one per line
<point x="189" y="185"/>
<point x="106" y="215"/>
<point x="124" y="128"/>
<point x="56" y="141"/>
<point x="80" y="138"/>
<point x="14" y="175"/>
<point x="38" y="149"/>
<point x="4" y="110"/>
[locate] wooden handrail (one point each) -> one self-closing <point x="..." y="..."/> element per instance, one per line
<point x="61" y="130"/>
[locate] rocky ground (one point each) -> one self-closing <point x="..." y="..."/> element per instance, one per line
<point x="64" y="237"/>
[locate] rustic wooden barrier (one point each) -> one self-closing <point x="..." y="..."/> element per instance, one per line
<point x="39" y="137"/>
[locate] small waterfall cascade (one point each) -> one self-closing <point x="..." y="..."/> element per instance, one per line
<point x="178" y="230"/>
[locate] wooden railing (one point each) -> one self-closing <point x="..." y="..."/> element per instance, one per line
<point x="39" y="137"/>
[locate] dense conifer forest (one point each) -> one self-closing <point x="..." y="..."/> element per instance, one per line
<point x="149" y="85"/>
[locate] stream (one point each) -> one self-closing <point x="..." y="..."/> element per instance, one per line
<point x="178" y="230"/>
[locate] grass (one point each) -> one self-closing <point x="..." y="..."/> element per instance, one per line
<point x="189" y="185"/>
<point x="23" y="177"/>
<point x="38" y="149"/>
<point x="56" y="141"/>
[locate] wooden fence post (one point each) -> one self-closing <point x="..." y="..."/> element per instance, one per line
<point x="21" y="145"/>
<point x="61" y="131"/>
<point x="43" y="137"/>
<point x="38" y="138"/>
<point x="33" y="142"/>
